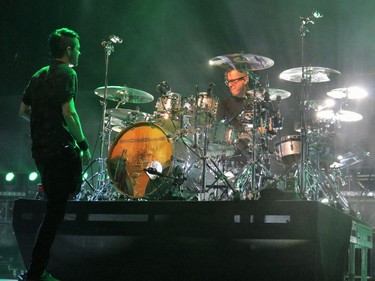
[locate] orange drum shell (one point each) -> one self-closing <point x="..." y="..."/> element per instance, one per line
<point x="131" y="152"/>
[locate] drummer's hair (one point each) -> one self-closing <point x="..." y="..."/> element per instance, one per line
<point x="59" y="40"/>
<point x="231" y="69"/>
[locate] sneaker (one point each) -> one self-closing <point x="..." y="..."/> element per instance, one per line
<point x="22" y="277"/>
<point x="45" y="277"/>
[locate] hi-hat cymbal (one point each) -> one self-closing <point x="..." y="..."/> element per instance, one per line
<point x="274" y="93"/>
<point x="342" y="115"/>
<point x="249" y="61"/>
<point x="316" y="73"/>
<point x="319" y="105"/>
<point x="127" y="114"/>
<point x="125" y="94"/>
<point x="348" y="93"/>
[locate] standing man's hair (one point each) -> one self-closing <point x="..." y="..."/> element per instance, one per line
<point x="61" y="39"/>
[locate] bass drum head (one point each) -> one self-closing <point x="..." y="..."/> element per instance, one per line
<point x="134" y="149"/>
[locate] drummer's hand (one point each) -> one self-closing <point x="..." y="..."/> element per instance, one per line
<point x="86" y="157"/>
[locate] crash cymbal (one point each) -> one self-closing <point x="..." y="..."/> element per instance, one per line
<point x="317" y="74"/>
<point x="348" y="93"/>
<point x="249" y="61"/>
<point x="342" y="115"/>
<point x="274" y="93"/>
<point x="127" y="114"/>
<point x="125" y="94"/>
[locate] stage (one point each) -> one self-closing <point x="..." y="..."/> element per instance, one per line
<point x="180" y="240"/>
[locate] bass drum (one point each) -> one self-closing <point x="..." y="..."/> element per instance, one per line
<point x="145" y="145"/>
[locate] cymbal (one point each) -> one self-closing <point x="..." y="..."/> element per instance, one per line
<point x="127" y="114"/>
<point x="349" y="159"/>
<point x="319" y="105"/>
<point x="274" y="93"/>
<point x="125" y="94"/>
<point x="342" y="115"/>
<point x="317" y="74"/>
<point x="349" y="93"/>
<point x="252" y="62"/>
<point x="337" y="165"/>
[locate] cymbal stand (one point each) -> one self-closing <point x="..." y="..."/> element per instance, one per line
<point x="103" y="184"/>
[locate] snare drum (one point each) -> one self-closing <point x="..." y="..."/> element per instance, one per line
<point x="288" y="150"/>
<point x="224" y="134"/>
<point x="144" y="145"/>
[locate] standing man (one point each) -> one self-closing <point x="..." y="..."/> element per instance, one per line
<point x="59" y="145"/>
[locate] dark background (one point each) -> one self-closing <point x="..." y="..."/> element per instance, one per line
<point x="173" y="40"/>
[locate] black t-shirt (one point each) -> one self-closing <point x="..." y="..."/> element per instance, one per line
<point x="230" y="110"/>
<point x="47" y="91"/>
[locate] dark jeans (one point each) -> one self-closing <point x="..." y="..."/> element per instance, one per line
<point x="61" y="175"/>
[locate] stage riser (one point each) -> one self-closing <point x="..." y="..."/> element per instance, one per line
<point x="270" y="240"/>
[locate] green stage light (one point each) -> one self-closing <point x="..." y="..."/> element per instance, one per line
<point x="33" y="176"/>
<point x="9" y="176"/>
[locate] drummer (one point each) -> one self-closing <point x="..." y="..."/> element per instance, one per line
<point x="230" y="108"/>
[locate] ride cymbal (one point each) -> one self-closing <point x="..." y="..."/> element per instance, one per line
<point x="313" y="74"/>
<point x="125" y="94"/>
<point x="250" y="61"/>
<point x="348" y="93"/>
<point x="341" y="115"/>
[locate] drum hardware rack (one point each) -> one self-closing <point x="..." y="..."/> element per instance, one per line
<point x="248" y="184"/>
<point x="219" y="175"/>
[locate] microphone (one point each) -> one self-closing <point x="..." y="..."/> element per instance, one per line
<point x="153" y="171"/>
<point x="163" y="88"/>
<point x="210" y="88"/>
<point x="314" y="15"/>
<point x="115" y="39"/>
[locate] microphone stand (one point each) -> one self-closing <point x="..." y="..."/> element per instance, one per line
<point x="306" y="77"/>
<point x="303" y="98"/>
<point x="100" y="191"/>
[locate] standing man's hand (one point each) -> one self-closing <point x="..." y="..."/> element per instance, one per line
<point x="86" y="157"/>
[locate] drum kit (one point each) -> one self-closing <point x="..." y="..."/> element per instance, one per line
<point x="182" y="152"/>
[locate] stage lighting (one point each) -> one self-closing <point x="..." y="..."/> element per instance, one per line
<point x="10" y="177"/>
<point x="33" y="176"/>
